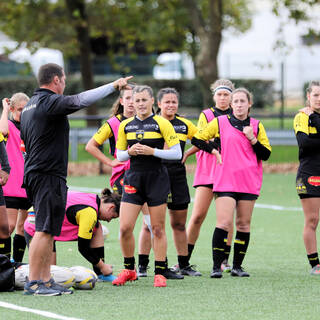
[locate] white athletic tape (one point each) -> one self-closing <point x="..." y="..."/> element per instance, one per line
<point x="40" y="312"/>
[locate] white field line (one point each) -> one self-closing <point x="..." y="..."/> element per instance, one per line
<point x="257" y="205"/>
<point x="46" y="314"/>
<point x="85" y="189"/>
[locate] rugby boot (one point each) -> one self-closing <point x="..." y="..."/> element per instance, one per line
<point x="216" y="273"/>
<point x="190" y="271"/>
<point x="159" y="281"/>
<point x="239" y="272"/>
<point x="168" y="274"/>
<point x="315" y="271"/>
<point x="124" y="276"/>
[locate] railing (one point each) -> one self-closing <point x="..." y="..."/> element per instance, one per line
<point x="83" y="135"/>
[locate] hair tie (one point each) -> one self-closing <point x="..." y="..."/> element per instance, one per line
<point x="222" y="88"/>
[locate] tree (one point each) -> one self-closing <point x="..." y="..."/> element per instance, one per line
<point x="134" y="27"/>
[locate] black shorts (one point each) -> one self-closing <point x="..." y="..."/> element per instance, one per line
<point x="307" y="186"/>
<point x="179" y="198"/>
<point x="49" y="195"/>
<point x="151" y="187"/>
<point x="18" y="203"/>
<point x="236" y="195"/>
<point x="118" y="185"/>
<point x="210" y="186"/>
<point x="2" y="201"/>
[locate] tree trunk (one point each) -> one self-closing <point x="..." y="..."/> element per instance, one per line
<point x="209" y="32"/>
<point x="79" y="18"/>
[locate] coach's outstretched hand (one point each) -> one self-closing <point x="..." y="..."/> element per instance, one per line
<point x="122" y="83"/>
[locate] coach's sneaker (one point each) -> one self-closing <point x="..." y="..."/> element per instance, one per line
<point x="239" y="272"/>
<point x="190" y="271"/>
<point x="216" y="273"/>
<point x="315" y="271"/>
<point x="108" y="278"/>
<point x="225" y="266"/>
<point x="38" y="288"/>
<point x="168" y="274"/>
<point x="124" y="276"/>
<point x="55" y="286"/>
<point x="142" y="271"/>
<point x="159" y="281"/>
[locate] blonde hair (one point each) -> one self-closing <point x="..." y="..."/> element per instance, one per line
<point x="221" y="83"/>
<point x="17" y="98"/>
<point x="117" y="107"/>
<point x="246" y="92"/>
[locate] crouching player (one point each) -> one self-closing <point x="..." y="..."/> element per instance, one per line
<point x="81" y="222"/>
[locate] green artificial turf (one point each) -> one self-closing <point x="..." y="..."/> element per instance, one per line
<point x="280" y="286"/>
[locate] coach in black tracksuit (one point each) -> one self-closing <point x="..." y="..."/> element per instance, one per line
<point x="45" y="132"/>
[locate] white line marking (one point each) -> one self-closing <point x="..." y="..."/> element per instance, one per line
<point x="257" y="205"/>
<point x="275" y="207"/>
<point x="85" y="189"/>
<point x="40" y="312"/>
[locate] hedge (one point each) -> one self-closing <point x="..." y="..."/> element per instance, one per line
<point x="190" y="93"/>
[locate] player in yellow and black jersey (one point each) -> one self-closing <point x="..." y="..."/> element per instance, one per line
<point x="168" y="101"/>
<point x="307" y="130"/>
<point x="146" y="181"/>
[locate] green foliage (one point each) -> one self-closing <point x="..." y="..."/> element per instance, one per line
<point x="190" y="93"/>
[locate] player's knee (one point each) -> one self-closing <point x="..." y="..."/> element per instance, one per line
<point x="4" y="231"/>
<point x="178" y="226"/>
<point x="125" y="231"/>
<point x="312" y="223"/>
<point x="158" y="231"/>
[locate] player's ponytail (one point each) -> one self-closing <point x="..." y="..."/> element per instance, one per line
<point x="110" y="197"/>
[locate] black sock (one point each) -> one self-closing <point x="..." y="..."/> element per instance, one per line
<point x="99" y="253"/>
<point x="240" y="246"/>
<point x="159" y="267"/>
<point x="5" y="247"/>
<point x="19" y="246"/>
<point x="190" y="250"/>
<point x="143" y="260"/>
<point x="183" y="261"/>
<point x="218" y="246"/>
<point x="227" y="250"/>
<point x="129" y="263"/>
<point x="313" y="259"/>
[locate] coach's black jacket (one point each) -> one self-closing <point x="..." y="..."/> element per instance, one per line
<point x="45" y="132"/>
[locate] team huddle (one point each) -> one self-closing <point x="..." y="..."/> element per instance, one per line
<point x="148" y="175"/>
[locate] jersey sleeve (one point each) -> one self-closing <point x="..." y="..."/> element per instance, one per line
<point x="192" y="129"/>
<point x="301" y="123"/>
<point x="202" y="121"/>
<point x="122" y="142"/>
<point x="262" y="137"/>
<point x="86" y="219"/>
<point x="103" y="133"/>
<point x="208" y="132"/>
<point x="168" y="133"/>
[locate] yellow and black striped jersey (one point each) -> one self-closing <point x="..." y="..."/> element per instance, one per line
<point x="309" y="143"/>
<point x="154" y="132"/>
<point x="185" y="129"/>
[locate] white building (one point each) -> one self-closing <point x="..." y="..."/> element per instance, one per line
<point x="254" y="55"/>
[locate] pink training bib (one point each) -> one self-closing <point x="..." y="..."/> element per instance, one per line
<point x="240" y="170"/>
